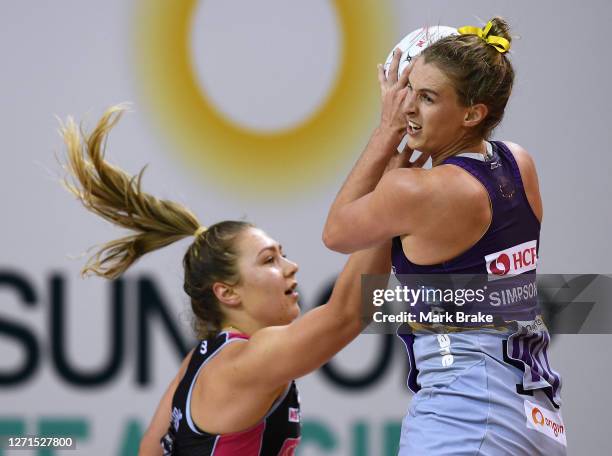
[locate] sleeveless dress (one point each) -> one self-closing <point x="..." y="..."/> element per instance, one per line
<point x="486" y="391"/>
<point x="277" y="434"/>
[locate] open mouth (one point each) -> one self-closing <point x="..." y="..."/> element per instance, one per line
<point x="413" y="128"/>
<point x="292" y="290"/>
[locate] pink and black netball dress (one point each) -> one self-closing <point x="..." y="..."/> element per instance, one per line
<point x="277" y="434"/>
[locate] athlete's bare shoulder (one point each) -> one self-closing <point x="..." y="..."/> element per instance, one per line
<point x="456" y="184"/>
<point x="522" y="157"/>
<point x="224" y="362"/>
<point x="529" y="176"/>
<point x="455" y="199"/>
<point x="223" y="402"/>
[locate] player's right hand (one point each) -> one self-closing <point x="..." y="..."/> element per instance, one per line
<point x="392" y="93"/>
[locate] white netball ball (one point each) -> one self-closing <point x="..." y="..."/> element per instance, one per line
<point x="415" y="42"/>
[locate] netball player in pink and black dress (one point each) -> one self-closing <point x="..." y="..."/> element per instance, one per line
<point x="478" y="390"/>
<point x="234" y="393"/>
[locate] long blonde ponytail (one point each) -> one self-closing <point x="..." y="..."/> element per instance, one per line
<point x="114" y="195"/>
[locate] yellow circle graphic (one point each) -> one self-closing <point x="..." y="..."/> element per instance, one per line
<point x="251" y="162"/>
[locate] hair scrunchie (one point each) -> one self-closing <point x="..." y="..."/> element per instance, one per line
<point x="501" y="44"/>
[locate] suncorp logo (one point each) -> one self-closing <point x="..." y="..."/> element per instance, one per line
<point x="514" y="260"/>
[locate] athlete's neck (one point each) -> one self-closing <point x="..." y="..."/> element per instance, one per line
<point x="478" y="146"/>
<point x="231" y="328"/>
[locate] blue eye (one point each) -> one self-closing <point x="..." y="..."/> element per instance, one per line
<point x="427" y="98"/>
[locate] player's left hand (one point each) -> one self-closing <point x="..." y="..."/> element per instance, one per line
<point x="403" y="160"/>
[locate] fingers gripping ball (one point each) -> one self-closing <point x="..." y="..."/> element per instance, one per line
<point x="415" y="42"/>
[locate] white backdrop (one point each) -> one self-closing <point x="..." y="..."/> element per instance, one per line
<point x="295" y="82"/>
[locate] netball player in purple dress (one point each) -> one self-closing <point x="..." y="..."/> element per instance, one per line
<point x="488" y="391"/>
<point x="234" y="393"/>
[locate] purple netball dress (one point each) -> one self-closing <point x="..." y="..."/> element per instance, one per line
<point x="486" y="390"/>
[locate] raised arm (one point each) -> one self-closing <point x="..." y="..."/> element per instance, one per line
<point x="364" y="210"/>
<point x="395" y="207"/>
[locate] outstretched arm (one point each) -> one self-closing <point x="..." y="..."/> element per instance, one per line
<point x="276" y="355"/>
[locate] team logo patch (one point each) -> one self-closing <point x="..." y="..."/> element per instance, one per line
<point x="177" y="416"/>
<point x="545" y="421"/>
<point x="294" y="415"/>
<point x="514" y="260"/>
<point x="445" y="350"/>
